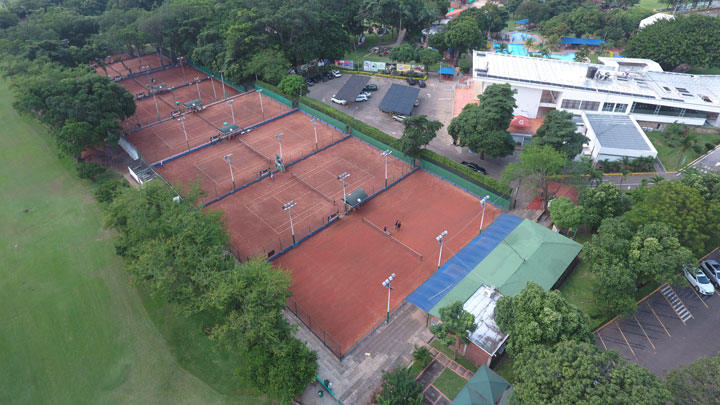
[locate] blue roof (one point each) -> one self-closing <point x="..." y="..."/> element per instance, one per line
<point x="582" y="41"/>
<point x="455" y="269"/>
<point x="446" y="71"/>
<point x="522" y="22"/>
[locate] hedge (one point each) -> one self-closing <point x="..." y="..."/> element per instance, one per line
<point x="495" y="185"/>
<point x="272" y="88"/>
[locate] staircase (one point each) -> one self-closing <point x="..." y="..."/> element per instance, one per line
<point x="677" y="305"/>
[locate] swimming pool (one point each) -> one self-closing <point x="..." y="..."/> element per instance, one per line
<point x="520" y="50"/>
<point x="521" y="36"/>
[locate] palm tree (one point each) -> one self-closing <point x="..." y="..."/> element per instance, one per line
<point x="684" y="142"/>
<point x="544" y="51"/>
<point x="553" y="42"/>
<point x="656" y="179"/>
<point x="503" y="48"/>
<point x="529" y="42"/>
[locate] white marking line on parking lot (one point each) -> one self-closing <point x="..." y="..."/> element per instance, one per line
<point x="700" y="298"/>
<point x="673" y="308"/>
<point x="643" y="331"/>
<point x="626" y="341"/>
<point x="658" y="319"/>
<point x="602" y="340"/>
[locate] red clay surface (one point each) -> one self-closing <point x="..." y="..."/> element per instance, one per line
<point x="134" y="65"/>
<point x="167" y="138"/>
<point x="210" y="168"/>
<point x="337" y="274"/>
<point x="255" y="219"/>
<point x="173" y="77"/>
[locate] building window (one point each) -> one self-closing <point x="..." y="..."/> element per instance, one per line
<point x="609" y="107"/>
<point x="590" y="105"/>
<point x="570" y="104"/>
<point x="620" y="107"/>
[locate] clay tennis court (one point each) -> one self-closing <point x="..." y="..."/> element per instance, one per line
<point x="337" y="274"/>
<point x="135" y="65"/>
<point x="146" y="113"/>
<point x="255" y="219"/>
<point x="251" y="152"/>
<point x="173" y="77"/>
<point x="246" y="108"/>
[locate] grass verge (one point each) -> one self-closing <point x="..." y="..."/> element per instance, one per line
<point x="671" y="157"/>
<point x="449" y="383"/>
<point x="451" y="354"/>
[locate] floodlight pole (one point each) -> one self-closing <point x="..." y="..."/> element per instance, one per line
<point x="288" y="207"/>
<point x="314" y="122"/>
<point x="232" y="176"/>
<point x="387" y="285"/>
<point x="232" y="111"/>
<point x="440" y="238"/>
<point x="222" y="80"/>
<point x="157" y="110"/>
<point x="182" y="122"/>
<point x="197" y="84"/>
<point x="279" y="139"/>
<point x="482" y="220"/>
<point x="385" y="154"/>
<point x="342" y="178"/>
<point x="213" y="86"/>
<point x="262" y="110"/>
<point x="181" y="59"/>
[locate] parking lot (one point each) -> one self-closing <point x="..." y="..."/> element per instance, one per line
<point x="671" y="327"/>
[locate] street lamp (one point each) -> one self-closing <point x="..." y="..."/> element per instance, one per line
<point x="387" y="285"/>
<point x="342" y="177"/>
<point x="213" y="86"/>
<point x="314" y="122"/>
<point x="288" y="207"/>
<point x="232" y="176"/>
<point x="482" y="202"/>
<point x="157" y="110"/>
<point x="222" y="80"/>
<point x="262" y="110"/>
<point x="279" y="139"/>
<point x="197" y="84"/>
<point x="440" y="238"/>
<point x="385" y="155"/>
<point x="182" y="122"/>
<point x="232" y="111"/>
<point x="181" y="60"/>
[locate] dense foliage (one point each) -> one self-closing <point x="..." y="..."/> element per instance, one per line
<point x="419" y="131"/>
<point x="559" y="131"/>
<point x="454" y="326"/>
<point x="537" y="168"/>
<point x="399" y="388"/>
<point x="604" y="201"/>
<point x="695" y="383"/>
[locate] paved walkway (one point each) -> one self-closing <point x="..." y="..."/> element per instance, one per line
<point x="356" y="379"/>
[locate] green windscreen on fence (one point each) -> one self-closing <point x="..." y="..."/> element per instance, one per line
<point x="274" y="96"/>
<point x="374" y="142"/>
<point x="473" y="187"/>
<point x="239" y="87"/>
<point x="317" y="114"/>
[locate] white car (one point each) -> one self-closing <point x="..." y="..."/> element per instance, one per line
<point x="712" y="270"/>
<point x="367" y="94"/>
<point x="361" y="97"/>
<point x="399" y="118"/>
<point x="338" y="101"/>
<point x="336" y="73"/>
<point x="417" y="102"/>
<point x="699" y="281"/>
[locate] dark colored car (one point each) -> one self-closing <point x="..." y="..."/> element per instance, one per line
<point x="309" y="82"/>
<point x="474" y="166"/>
<point x="411" y="81"/>
<point x="421" y="83"/>
<point x="370" y="87"/>
<point x="328" y="75"/>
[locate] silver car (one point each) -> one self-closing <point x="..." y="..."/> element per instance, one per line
<point x="699" y="281"/>
<point x="712" y="270"/>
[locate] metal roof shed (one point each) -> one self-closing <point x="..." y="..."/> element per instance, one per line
<point x="399" y="99"/>
<point x="353" y="87"/>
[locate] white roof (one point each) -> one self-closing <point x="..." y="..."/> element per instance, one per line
<point x="655" y="18"/>
<point x="481" y="304"/>
<point x="642" y="83"/>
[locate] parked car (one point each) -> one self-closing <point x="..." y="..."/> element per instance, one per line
<point x="361" y="97"/>
<point x="328" y="75"/>
<point x="421" y="83"/>
<point x="474" y="166"/>
<point x="411" y="81"/>
<point x="367" y="94"/>
<point x="712" y="270"/>
<point x="417" y="102"/>
<point x="370" y="87"/>
<point x="399" y="118"/>
<point x="338" y="101"/>
<point x="309" y="82"/>
<point x="336" y="73"/>
<point x="699" y="281"/>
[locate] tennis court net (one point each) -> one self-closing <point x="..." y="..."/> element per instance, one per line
<point x="247" y="145"/>
<point x="389" y="235"/>
<point x="313" y="188"/>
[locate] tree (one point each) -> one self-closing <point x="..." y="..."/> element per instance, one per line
<point x="573" y="372"/>
<point x="539" y="165"/>
<point x="268" y="64"/>
<point x="75" y="136"/>
<point x="89" y="170"/>
<point x="559" y="131"/>
<point x="427" y="57"/>
<point x="530" y="42"/>
<point x="679" y="136"/>
<point x="706" y="183"/>
<point x="404" y="53"/>
<point x="455" y="324"/>
<point x="695" y="383"/>
<point x="539" y="317"/>
<point x="553" y="42"/>
<point x="565" y="213"/>
<point x="293" y="86"/>
<point x="603" y="201"/>
<point x="656" y="254"/>
<point x="399" y="387"/>
<point x="462" y="34"/>
<point x="419" y="131"/>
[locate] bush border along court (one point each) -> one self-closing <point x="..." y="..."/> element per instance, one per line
<point x="274" y="93"/>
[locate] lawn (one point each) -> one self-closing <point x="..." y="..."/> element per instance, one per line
<point x="671" y="156"/>
<point x="363" y="52"/>
<point x="449" y="383"/>
<point x="451" y="354"/>
<point x="577" y="289"/>
<point x="651" y="5"/>
<point x="74" y="330"/>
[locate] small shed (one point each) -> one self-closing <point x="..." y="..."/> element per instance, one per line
<point x="486" y="387"/>
<point x="353" y="87"/>
<point x="446" y="73"/>
<point x="399" y="99"/>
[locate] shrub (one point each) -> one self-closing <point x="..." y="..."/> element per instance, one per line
<point x="107" y="191"/>
<point x="272" y="88"/>
<point x="709" y="146"/>
<point x="399" y="387"/>
<point x="421" y="354"/>
<point x="465" y="65"/>
<point x="89" y="170"/>
<point x="495" y="185"/>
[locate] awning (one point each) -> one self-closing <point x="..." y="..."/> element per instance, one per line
<point x="353" y="87"/>
<point x="446" y="71"/>
<point x="229" y="128"/>
<point x="399" y="99"/>
<point x="191" y="104"/>
<point x="356" y="198"/>
<point x="582" y="41"/>
<point x="522" y="22"/>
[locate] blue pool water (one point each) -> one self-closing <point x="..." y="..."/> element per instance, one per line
<point x="520" y="50"/>
<point x="521" y="36"/>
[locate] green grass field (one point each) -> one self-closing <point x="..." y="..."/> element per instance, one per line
<point x="73" y="329"/>
<point x="449" y="383"/>
<point x="671" y="157"/>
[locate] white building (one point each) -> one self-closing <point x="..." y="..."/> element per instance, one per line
<point x="637" y="87"/>
<point x="613" y="136"/>
<point x="655" y="18"/>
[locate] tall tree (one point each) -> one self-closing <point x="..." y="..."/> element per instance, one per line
<point x="402" y="53"/>
<point x="540" y="165"/>
<point x="695" y="383"/>
<point x="603" y="201"/>
<point x="573" y="372"/>
<point x="565" y="213"/>
<point x="455" y="323"/>
<point x="559" y="131"/>
<point x="293" y="86"/>
<point x="539" y="317"/>
<point x="463" y="34"/>
<point x="419" y="131"/>
<point x="427" y="57"/>
<point x="269" y="65"/>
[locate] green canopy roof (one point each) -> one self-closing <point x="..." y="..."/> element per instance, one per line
<point x="530" y="252"/>
<point x="485" y="388"/>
